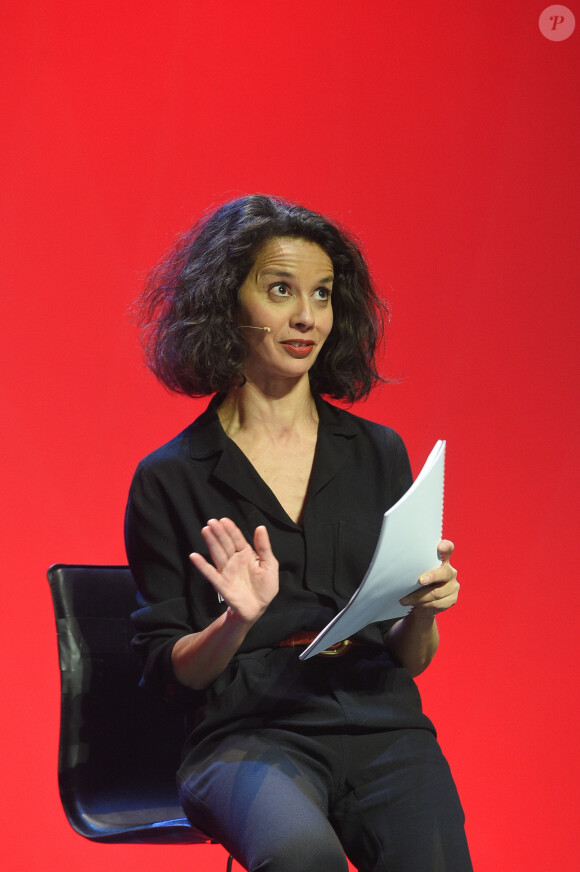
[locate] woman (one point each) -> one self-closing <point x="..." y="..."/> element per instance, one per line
<point x="252" y="528"/>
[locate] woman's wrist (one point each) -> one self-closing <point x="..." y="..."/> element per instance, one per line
<point x="421" y="619"/>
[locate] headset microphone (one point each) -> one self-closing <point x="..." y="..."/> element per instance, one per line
<point x="252" y="327"/>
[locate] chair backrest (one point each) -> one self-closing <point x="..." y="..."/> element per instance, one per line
<point x="119" y="746"/>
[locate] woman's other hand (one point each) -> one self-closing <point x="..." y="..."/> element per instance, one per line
<point x="246" y="577"/>
<point x="439" y="587"/>
<point x="414" y="639"/>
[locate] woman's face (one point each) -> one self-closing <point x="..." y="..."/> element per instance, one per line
<point x="288" y="289"/>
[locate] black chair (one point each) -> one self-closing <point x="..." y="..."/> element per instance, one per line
<point x="119" y="747"/>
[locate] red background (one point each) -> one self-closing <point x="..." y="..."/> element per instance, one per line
<point x="445" y="136"/>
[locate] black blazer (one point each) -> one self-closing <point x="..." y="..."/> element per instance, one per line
<point x="360" y="469"/>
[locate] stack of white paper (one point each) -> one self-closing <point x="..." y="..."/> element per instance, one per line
<point x="406" y="548"/>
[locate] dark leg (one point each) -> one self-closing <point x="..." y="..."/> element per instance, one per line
<point x="267" y="806"/>
<point x="401" y="812"/>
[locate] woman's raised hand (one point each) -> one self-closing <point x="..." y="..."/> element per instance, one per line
<point x="246" y="577"/>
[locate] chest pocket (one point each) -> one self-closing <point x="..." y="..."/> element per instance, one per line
<point x="356" y="546"/>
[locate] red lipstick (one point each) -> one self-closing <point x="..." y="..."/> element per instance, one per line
<point x="298" y="347"/>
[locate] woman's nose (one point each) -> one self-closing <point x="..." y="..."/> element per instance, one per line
<point x="303" y="314"/>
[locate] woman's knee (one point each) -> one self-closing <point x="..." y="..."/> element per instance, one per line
<point x="301" y="854"/>
<point x="280" y="836"/>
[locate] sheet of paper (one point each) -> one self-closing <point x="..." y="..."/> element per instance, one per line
<point x="406" y="548"/>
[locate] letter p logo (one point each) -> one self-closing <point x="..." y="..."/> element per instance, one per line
<point x="557" y="23"/>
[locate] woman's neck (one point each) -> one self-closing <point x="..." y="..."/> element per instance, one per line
<point x="251" y="409"/>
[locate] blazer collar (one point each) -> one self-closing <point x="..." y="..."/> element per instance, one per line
<point x="206" y="434"/>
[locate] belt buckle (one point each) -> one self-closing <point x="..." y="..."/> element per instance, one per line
<point x="337" y="650"/>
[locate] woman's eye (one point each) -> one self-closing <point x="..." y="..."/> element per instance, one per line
<point x="279" y="290"/>
<point x="322" y="294"/>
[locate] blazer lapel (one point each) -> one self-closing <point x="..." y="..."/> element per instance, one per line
<point x="235" y="470"/>
<point x="232" y="468"/>
<point x="333" y="446"/>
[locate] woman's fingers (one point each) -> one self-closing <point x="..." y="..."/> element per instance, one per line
<point x="216" y="550"/>
<point x="442" y="594"/>
<point x="223" y="540"/>
<point x="263" y="547"/>
<point x="445" y="549"/>
<point x="445" y="572"/>
<point x="439" y="587"/>
<point x="246" y="577"/>
<point x="233" y="534"/>
<point x="206" y="569"/>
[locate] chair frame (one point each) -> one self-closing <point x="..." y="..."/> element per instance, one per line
<point x="119" y="746"/>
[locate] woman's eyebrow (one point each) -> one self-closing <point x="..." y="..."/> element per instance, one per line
<point x="278" y="273"/>
<point x="284" y="274"/>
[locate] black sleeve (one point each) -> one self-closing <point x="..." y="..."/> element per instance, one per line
<point x="157" y="550"/>
<point x="402" y="478"/>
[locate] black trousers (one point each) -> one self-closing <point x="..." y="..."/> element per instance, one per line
<point x="280" y="801"/>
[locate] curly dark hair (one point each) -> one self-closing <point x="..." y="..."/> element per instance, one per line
<point x="188" y="310"/>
